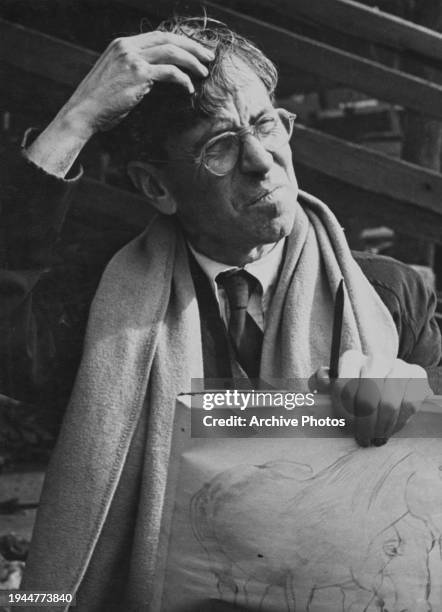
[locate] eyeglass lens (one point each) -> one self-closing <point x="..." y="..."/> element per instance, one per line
<point x="273" y="131"/>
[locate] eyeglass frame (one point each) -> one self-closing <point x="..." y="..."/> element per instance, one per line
<point x="240" y="134"/>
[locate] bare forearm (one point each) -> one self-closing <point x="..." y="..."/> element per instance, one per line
<point x="58" y="146"/>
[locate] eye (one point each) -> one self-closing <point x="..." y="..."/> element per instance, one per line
<point x="267" y="125"/>
<point x="221" y="146"/>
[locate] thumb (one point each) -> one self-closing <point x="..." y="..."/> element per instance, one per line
<point x="320" y="380"/>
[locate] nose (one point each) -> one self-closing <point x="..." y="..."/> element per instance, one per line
<point x="254" y="158"/>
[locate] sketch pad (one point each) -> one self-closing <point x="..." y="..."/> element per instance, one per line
<point x="285" y="525"/>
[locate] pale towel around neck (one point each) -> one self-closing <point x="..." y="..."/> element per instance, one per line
<point x="143" y="346"/>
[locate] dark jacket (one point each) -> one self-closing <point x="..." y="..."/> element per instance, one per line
<point x="41" y="340"/>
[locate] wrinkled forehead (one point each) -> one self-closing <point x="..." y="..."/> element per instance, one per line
<point x="244" y="99"/>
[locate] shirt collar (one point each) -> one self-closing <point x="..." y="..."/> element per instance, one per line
<point x="264" y="269"/>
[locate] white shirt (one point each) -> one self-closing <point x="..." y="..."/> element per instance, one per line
<point x="265" y="270"/>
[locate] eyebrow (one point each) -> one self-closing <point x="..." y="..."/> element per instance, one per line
<point x="226" y="125"/>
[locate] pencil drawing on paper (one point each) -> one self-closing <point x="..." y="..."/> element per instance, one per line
<point x="363" y="526"/>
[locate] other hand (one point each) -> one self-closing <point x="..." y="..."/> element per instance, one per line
<point x="376" y="395"/>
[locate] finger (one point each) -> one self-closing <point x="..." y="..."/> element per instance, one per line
<point x="171" y="54"/>
<point x="389" y="409"/>
<point x="416" y="392"/>
<point x="344" y="389"/>
<point x="171" y="74"/>
<point x="320" y="380"/>
<point x="369" y="402"/>
<point x="366" y="406"/>
<point x="150" y="39"/>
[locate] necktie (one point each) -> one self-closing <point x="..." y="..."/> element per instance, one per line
<point x="245" y="335"/>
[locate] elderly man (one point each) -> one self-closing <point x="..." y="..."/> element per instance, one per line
<point x="236" y="277"/>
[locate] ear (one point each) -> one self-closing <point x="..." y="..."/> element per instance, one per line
<point x="149" y="179"/>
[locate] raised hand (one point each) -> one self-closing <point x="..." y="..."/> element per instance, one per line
<point x="122" y="76"/>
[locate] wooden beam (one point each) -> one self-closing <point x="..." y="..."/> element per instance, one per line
<point x="31" y="94"/>
<point x="351" y="204"/>
<point x="367" y="169"/>
<point x="328" y="62"/>
<point x="412" y="188"/>
<point x="93" y="199"/>
<point x="364" y="22"/>
<point x="66" y="64"/>
<point x="43" y="55"/>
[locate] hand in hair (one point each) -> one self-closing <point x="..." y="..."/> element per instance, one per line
<point x="123" y="75"/>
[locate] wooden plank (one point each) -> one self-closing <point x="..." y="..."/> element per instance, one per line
<point x="353" y="165"/>
<point x="31" y="94"/>
<point x="325" y="61"/>
<point x="364" y="22"/>
<point x="367" y="169"/>
<point x="93" y="198"/>
<point x="44" y="55"/>
<point x="350" y="203"/>
<point x="35" y="53"/>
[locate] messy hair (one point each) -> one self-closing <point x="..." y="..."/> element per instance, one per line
<point x="170" y="109"/>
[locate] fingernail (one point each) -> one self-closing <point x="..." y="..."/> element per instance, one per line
<point x="379" y="441"/>
<point x="363" y="442"/>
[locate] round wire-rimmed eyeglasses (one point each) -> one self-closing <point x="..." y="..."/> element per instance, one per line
<point x="220" y="154"/>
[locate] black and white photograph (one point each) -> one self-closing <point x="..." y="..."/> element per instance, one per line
<point x="221" y="305"/>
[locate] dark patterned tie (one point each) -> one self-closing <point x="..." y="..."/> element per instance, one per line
<point x="244" y="333"/>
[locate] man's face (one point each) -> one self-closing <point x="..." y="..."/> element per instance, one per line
<point x="232" y="217"/>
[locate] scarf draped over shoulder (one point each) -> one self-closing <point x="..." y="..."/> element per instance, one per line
<point x="143" y="347"/>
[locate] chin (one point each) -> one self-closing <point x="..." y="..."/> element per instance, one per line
<point x="278" y="226"/>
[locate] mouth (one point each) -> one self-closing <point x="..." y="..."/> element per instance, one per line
<point x="263" y="195"/>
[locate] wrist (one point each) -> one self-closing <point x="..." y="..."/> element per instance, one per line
<point x="57" y="147"/>
<point x="72" y="125"/>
